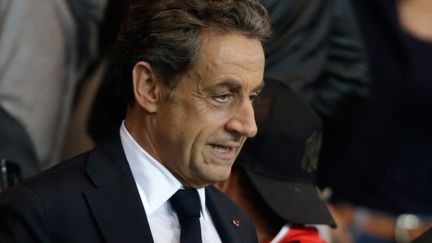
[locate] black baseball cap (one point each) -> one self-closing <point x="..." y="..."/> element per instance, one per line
<point x="282" y="158"/>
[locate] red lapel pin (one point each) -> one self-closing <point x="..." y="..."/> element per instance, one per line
<point x="236" y="222"/>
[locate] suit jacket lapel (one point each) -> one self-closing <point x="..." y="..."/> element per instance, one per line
<point x="222" y="219"/>
<point x="115" y="201"/>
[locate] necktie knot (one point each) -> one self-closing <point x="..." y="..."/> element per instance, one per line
<point x="186" y="203"/>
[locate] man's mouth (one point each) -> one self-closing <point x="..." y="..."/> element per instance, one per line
<point x="221" y="149"/>
<point x="224" y="152"/>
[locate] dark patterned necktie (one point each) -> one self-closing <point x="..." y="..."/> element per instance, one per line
<point x="187" y="205"/>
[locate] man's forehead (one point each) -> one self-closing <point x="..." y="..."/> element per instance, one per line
<point x="232" y="46"/>
<point x="231" y="51"/>
<point x="230" y="60"/>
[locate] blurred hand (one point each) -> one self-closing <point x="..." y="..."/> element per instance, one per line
<point x="343" y="214"/>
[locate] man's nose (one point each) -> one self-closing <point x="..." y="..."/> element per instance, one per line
<point x="243" y="120"/>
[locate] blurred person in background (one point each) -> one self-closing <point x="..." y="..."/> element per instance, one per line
<point x="317" y="49"/>
<point x="273" y="178"/>
<point x="46" y="48"/>
<point x="379" y="168"/>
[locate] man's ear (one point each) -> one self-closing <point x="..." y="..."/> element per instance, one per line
<point x="146" y="86"/>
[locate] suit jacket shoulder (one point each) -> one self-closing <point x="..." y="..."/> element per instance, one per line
<point x="45" y="206"/>
<point x="90" y="198"/>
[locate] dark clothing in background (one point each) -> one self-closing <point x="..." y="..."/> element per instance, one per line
<point x="108" y="109"/>
<point x="383" y="161"/>
<point x="318" y="51"/>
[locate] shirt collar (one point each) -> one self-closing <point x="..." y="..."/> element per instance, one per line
<point x="156" y="184"/>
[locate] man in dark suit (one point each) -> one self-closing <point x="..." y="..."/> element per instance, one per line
<point x="189" y="72"/>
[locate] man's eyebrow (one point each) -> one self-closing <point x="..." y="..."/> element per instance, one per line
<point x="230" y="84"/>
<point x="235" y="85"/>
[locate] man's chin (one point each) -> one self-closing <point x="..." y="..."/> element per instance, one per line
<point x="222" y="175"/>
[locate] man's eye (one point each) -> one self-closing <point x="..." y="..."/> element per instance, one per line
<point x="222" y="98"/>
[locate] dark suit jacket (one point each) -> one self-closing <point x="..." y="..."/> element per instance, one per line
<point x="93" y="198"/>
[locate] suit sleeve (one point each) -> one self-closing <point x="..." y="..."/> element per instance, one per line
<point x="22" y="217"/>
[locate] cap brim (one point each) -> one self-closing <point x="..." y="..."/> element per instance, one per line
<point x="295" y="202"/>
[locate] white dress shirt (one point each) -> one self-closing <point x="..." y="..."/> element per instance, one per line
<point x="156" y="184"/>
